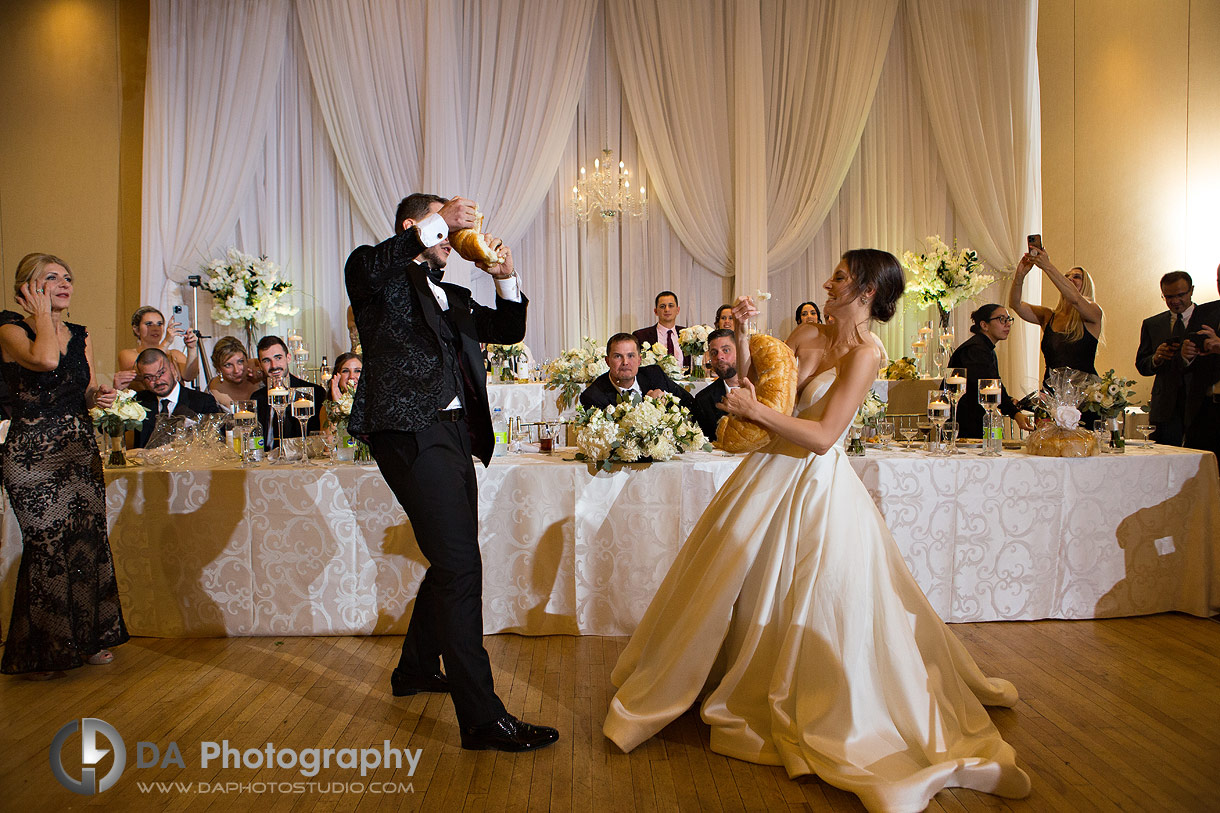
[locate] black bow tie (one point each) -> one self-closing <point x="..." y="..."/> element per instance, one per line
<point x="434" y="274"/>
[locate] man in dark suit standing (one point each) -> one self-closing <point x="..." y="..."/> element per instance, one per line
<point x="626" y="376"/>
<point x="722" y="347"/>
<point x="665" y="332"/>
<point x="1158" y="355"/>
<point x="1201" y="352"/>
<point x="163" y="393"/>
<point x="275" y="358"/>
<point x="422" y="403"/>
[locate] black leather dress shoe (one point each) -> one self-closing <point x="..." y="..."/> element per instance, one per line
<point x="403" y="686"/>
<point x="507" y="734"/>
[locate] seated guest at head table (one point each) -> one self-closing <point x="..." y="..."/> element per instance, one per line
<point x="627" y="376"/>
<point x="990" y="324"/>
<point x="347" y="372"/>
<point x="163" y="392"/>
<point x="665" y="332"/>
<point x="724" y="318"/>
<point x="722" y="349"/>
<point x="275" y="357"/>
<point x="808" y="313"/>
<point x="236" y="377"/>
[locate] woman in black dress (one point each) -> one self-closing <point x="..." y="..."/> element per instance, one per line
<point x="1070" y="331"/>
<point x="989" y="324"/>
<point x="66" y="610"/>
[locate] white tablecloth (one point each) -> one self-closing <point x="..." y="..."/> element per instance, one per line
<point x="282" y="551"/>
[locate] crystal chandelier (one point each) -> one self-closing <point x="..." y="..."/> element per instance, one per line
<point x="606" y="194"/>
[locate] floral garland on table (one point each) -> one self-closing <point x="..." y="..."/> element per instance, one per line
<point x="657" y="354"/>
<point x="872" y="409"/>
<point x="1108" y="396"/>
<point x="900" y="369"/>
<point x="637" y="428"/>
<point x="943" y="276"/>
<point x="575" y="368"/>
<point x="693" y="340"/>
<point x="247" y="289"/>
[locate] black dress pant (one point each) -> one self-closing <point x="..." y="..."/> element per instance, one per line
<point x="432" y="475"/>
<point x="1204" y="429"/>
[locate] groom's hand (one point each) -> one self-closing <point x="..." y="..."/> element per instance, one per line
<point x="502" y="270"/>
<point x="458" y="213"/>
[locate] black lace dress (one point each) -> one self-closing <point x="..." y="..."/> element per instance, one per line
<point x="67" y="603"/>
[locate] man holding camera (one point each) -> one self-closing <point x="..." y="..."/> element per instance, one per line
<point x="1160" y="354"/>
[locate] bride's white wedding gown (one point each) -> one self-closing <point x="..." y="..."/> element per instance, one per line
<point x="791" y="610"/>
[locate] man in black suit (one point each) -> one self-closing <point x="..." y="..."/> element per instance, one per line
<point x="722" y="347"/>
<point x="275" y="358"/>
<point x="626" y="376"/>
<point x="163" y="393"/>
<point x="1201" y="352"/>
<point x="665" y="331"/>
<point x="422" y="403"/>
<point x="1158" y="355"/>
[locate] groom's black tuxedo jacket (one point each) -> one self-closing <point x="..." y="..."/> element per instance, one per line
<point x="401" y="387"/>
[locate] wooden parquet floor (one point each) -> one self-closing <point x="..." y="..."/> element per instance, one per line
<point x="1122" y="714"/>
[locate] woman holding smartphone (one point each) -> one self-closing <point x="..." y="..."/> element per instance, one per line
<point x="1069" y="332"/>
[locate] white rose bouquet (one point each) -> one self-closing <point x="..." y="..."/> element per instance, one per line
<point x="1108" y="396"/>
<point x="900" y="369"/>
<point x="693" y="340"/>
<point x="943" y="276"/>
<point x="246" y="289"/>
<point x="635" y="429"/>
<point x="659" y="355"/>
<point x="573" y="370"/>
<point x="872" y="409"/>
<point x="124" y="414"/>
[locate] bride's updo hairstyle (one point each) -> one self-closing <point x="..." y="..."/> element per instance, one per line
<point x="874" y="268"/>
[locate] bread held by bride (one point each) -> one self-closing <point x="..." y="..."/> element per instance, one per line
<point x="471" y="244"/>
<point x="776" y="387"/>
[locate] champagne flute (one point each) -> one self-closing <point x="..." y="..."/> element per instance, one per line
<point x="989" y="399"/>
<point x="303" y="409"/>
<point x="278" y="397"/>
<point x="245" y="418"/>
<point x="1146" y="429"/>
<point x="938" y="414"/>
<point x="955" y="386"/>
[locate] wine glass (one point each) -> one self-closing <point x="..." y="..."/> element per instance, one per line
<point x="885" y="432"/>
<point x="245" y="418"/>
<point x="1146" y="429"/>
<point x="303" y="409"/>
<point x="938" y="414"/>
<point x="909" y="432"/>
<point x="989" y="399"/>
<point x="955" y="386"/>
<point x="278" y="398"/>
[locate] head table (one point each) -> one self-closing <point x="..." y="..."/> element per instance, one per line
<point x="325" y="550"/>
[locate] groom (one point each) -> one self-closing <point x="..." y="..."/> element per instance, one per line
<point x="422" y="403"/>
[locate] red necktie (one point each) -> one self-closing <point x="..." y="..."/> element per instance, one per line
<point x="669" y="342"/>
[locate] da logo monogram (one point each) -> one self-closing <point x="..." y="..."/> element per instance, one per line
<point x="90" y="756"/>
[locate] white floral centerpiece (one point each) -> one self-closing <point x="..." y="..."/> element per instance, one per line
<point x="126" y="413"/>
<point x="575" y="368"/>
<point x="635" y="429"/>
<point x="1108" y="396"/>
<point x="338" y="415"/>
<point x="901" y="369"/>
<point x="506" y="356"/>
<point x="248" y="290"/>
<point x="657" y="354"/>
<point x="870" y="411"/>
<point x="943" y="276"/>
<point x="693" y="341"/>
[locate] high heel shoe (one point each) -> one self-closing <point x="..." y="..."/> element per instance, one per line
<point x="100" y="658"/>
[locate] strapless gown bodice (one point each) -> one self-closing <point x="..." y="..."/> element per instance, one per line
<point x="791" y="610"/>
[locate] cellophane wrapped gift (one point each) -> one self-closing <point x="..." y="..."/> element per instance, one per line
<point x="1063" y="437"/>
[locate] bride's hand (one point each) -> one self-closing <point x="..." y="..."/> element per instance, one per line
<point x="741" y="401"/>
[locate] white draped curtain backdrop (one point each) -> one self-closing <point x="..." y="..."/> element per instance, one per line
<point x="772" y="136"/>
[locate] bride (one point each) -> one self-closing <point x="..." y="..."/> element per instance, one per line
<point x="791" y="611"/>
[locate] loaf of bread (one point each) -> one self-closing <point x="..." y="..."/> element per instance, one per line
<point x="776" y="387"/>
<point x="471" y="244"/>
<point x="1054" y="441"/>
